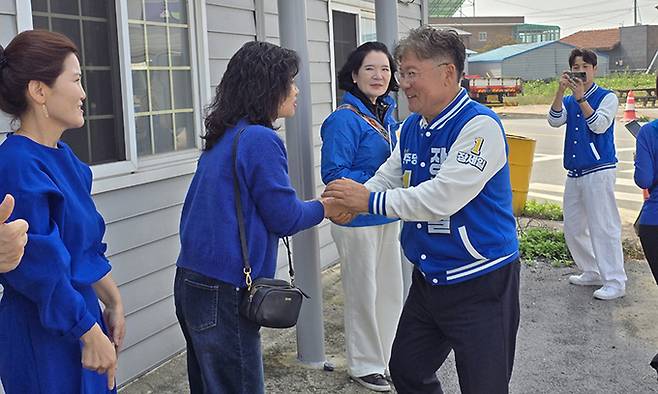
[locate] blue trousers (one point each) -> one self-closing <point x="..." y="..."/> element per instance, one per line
<point x="478" y="319"/>
<point x="223" y="348"/>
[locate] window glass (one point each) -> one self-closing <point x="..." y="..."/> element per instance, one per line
<point x="91" y="25"/>
<point x="162" y="76"/>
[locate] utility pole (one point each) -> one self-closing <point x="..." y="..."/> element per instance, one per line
<point x="634" y="12"/>
<point x="299" y="141"/>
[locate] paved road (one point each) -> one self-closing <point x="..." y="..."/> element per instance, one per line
<point x="547" y="181"/>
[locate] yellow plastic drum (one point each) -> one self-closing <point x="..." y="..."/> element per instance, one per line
<point x="521" y="153"/>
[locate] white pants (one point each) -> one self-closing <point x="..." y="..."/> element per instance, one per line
<point x="371" y="274"/>
<point x="592" y="226"/>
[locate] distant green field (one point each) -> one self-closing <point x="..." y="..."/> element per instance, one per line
<point x="542" y="92"/>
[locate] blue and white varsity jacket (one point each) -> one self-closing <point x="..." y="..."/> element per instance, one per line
<point x="450" y="184"/>
<point x="589" y="143"/>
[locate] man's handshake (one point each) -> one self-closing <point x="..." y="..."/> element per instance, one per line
<point x="343" y="199"/>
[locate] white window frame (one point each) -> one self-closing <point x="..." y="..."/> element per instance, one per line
<point x="110" y="174"/>
<point x="482" y="36"/>
<point x="23" y="15"/>
<point x="360" y="14"/>
<point x="192" y="153"/>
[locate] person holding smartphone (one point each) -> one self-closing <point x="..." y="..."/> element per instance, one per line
<point x="592" y="226"/>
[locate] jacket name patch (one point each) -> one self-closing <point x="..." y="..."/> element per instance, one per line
<point x="471" y="159"/>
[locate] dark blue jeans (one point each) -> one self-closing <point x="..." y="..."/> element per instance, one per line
<point x="223" y="348"/>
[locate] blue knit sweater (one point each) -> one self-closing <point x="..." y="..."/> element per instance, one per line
<point x="210" y="243"/>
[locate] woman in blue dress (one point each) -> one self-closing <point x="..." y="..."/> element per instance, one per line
<point x="53" y="335"/>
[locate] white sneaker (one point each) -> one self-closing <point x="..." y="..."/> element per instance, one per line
<point x="609" y="293"/>
<point x="586" y="279"/>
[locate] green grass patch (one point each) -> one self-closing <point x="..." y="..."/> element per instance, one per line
<point x="542" y="210"/>
<point x="612" y="81"/>
<point x="539" y="243"/>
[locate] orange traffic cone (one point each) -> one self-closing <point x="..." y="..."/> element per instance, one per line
<point x="629" y="112"/>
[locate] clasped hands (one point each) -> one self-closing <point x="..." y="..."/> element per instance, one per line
<point x="343" y="199"/>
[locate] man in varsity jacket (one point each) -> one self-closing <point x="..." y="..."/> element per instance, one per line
<point x="592" y="226"/>
<point x="448" y="180"/>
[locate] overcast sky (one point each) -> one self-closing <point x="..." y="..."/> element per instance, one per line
<point x="570" y="15"/>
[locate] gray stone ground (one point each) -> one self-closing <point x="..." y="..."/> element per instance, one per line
<point x="567" y="342"/>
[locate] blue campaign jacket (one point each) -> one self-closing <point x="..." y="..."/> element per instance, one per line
<point x="586" y="152"/>
<point x="481" y="236"/>
<point x="646" y="170"/>
<point x="352" y="148"/>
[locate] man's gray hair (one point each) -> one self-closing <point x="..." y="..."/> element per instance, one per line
<point x="427" y="42"/>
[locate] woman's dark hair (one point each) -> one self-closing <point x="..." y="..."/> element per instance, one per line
<point x="257" y="80"/>
<point x="355" y="60"/>
<point x="33" y="55"/>
<point x="588" y="56"/>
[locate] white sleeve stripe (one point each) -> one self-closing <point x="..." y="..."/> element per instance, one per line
<point x="380" y="199"/>
<point x="375" y="204"/>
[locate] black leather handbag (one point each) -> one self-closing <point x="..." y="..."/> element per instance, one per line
<point x="273" y="303"/>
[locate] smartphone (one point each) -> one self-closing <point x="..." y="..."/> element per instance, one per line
<point x="633" y="127"/>
<point x="577" y="75"/>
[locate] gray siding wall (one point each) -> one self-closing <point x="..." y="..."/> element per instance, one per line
<point x="544" y="63"/>
<point x="634" y="47"/>
<point x="652" y="44"/>
<point x="541" y="63"/>
<point x="410" y="16"/>
<point x="142" y="239"/>
<point x="8" y="30"/>
<point x="614" y="56"/>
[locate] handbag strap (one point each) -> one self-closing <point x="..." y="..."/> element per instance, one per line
<point x="241" y="226"/>
<point x="371" y="121"/>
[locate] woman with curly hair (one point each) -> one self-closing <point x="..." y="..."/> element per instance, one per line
<point x="223" y="348"/>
